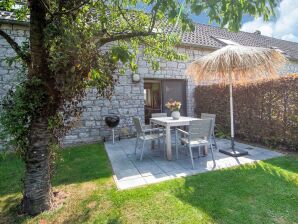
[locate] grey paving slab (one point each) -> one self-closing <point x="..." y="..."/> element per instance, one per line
<point x="117" y="156"/>
<point x="129" y="172"/>
<point x="148" y="167"/>
<point x="123" y="164"/>
<point x="126" y="184"/>
<point x="157" y="178"/>
<point x="169" y="166"/>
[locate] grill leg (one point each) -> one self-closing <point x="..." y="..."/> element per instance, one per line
<point x="113" y="133"/>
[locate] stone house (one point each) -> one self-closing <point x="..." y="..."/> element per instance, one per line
<point x="154" y="88"/>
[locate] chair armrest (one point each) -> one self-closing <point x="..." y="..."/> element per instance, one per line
<point x="153" y="129"/>
<point x="147" y="126"/>
<point x="182" y="131"/>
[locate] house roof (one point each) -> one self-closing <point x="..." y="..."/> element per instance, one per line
<point x="208" y="36"/>
<point x="10" y="18"/>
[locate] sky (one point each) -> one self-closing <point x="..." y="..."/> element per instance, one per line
<point x="283" y="26"/>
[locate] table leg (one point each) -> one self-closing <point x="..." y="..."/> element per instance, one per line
<point x="205" y="150"/>
<point x="168" y="143"/>
<point x="152" y="142"/>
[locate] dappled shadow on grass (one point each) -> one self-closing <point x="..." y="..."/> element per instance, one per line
<point x="9" y="205"/>
<point x="11" y="173"/>
<point x="85" y="217"/>
<point x="79" y="217"/>
<point x="81" y="164"/>
<point x="257" y="193"/>
<point x="74" y="165"/>
<point x="91" y="205"/>
<point x="286" y="164"/>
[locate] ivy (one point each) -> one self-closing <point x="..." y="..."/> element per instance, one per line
<point x="19" y="106"/>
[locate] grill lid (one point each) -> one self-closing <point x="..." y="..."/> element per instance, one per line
<point x="112" y="120"/>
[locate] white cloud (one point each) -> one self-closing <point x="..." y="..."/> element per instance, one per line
<point x="290" y="37"/>
<point x="284" y="26"/>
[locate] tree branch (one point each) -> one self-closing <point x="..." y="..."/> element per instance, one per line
<point x="125" y="36"/>
<point x="46" y="7"/>
<point x="61" y="12"/>
<point x="23" y="55"/>
<point x="153" y="18"/>
<point x="72" y="9"/>
<point x="124" y="17"/>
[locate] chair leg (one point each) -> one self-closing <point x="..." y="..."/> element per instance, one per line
<point x="199" y="151"/>
<point x="153" y="145"/>
<point x="164" y="147"/>
<point x="136" y="146"/>
<point x="214" y="163"/>
<point x="215" y="142"/>
<point x="141" y="158"/>
<point x="190" y="152"/>
<point x="158" y="143"/>
<point x="176" y="143"/>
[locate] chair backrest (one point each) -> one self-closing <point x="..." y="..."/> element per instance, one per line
<point x="209" y="116"/>
<point x="200" y="129"/>
<point x="159" y="115"/>
<point x="137" y="124"/>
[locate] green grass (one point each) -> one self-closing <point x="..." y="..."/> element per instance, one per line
<point x="265" y="192"/>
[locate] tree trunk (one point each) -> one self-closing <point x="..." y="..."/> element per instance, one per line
<point x="37" y="182"/>
<point x="37" y="185"/>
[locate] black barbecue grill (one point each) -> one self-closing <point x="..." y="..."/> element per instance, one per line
<point x="112" y="121"/>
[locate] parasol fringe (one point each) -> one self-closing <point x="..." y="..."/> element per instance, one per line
<point x="244" y="63"/>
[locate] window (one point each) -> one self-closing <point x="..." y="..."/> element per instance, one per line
<point x="277" y="49"/>
<point x="225" y="41"/>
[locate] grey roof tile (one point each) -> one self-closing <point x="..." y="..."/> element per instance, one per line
<point x="10" y="17"/>
<point x="205" y="35"/>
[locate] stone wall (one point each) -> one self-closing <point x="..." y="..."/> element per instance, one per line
<point x="128" y="99"/>
<point x="8" y="74"/>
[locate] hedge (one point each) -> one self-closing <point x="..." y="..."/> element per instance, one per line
<point x="265" y="112"/>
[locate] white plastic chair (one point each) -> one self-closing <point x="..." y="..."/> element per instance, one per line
<point x="199" y="134"/>
<point x="146" y="135"/>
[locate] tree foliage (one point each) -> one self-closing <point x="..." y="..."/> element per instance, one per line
<point x="77" y="44"/>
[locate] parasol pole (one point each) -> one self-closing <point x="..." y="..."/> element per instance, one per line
<point x="232" y="151"/>
<point x="231" y="111"/>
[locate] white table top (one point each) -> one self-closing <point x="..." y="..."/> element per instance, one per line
<point x="169" y="121"/>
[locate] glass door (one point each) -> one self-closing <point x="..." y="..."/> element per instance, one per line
<point x="174" y="90"/>
<point x="158" y="92"/>
<point x="152" y="98"/>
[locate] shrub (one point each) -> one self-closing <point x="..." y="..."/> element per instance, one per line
<point x="265" y="112"/>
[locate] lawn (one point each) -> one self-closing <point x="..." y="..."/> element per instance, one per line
<point x="266" y="192"/>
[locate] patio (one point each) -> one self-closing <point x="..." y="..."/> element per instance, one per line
<point x="129" y="172"/>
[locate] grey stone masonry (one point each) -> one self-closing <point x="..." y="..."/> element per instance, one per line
<point x="8" y="74"/>
<point x="128" y="99"/>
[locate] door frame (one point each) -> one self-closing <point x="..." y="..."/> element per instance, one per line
<point x="161" y="80"/>
<point x="184" y="93"/>
<point x="156" y="81"/>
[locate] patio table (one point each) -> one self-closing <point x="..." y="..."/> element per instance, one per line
<point x="169" y="122"/>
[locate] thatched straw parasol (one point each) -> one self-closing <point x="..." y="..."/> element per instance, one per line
<point x="236" y="64"/>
